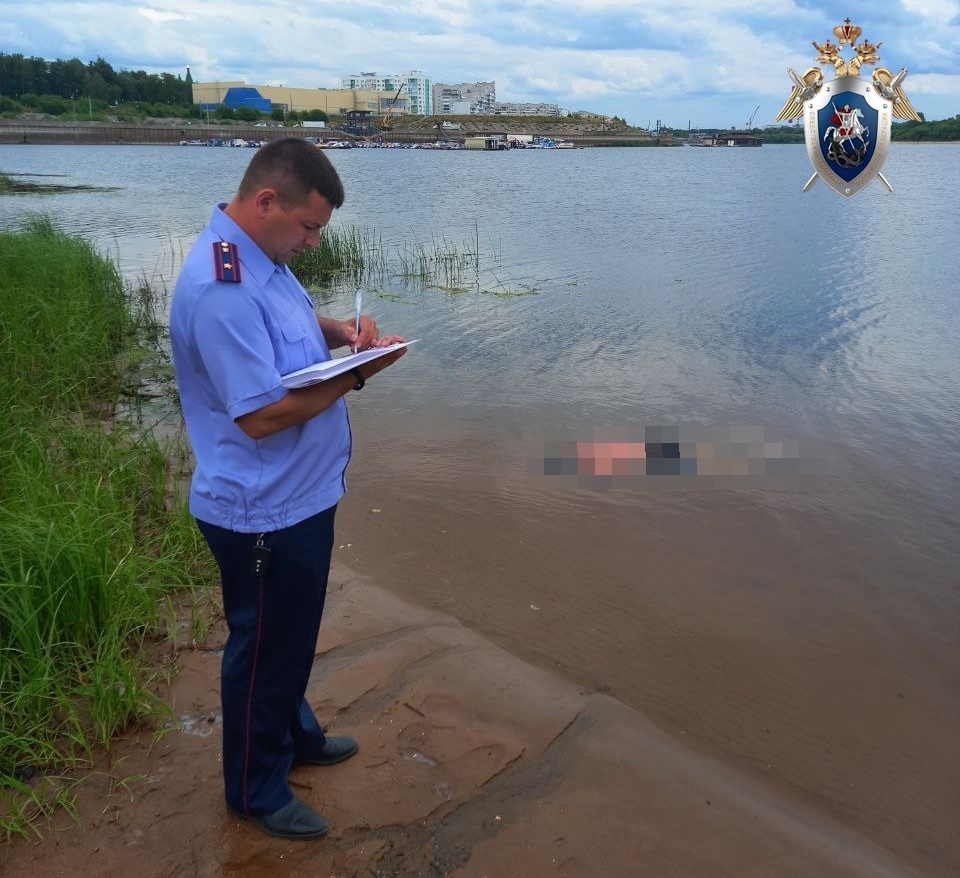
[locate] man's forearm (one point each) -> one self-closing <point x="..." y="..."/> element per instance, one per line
<point x="333" y="331"/>
<point x="297" y="407"/>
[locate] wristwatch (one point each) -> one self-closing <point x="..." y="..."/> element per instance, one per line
<point x="360" y="379"/>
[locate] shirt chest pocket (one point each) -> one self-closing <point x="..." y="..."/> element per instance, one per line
<point x="296" y="349"/>
<point x="294" y="327"/>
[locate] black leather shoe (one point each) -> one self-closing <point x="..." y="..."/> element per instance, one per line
<point x="334" y="750"/>
<point x="295" y="820"/>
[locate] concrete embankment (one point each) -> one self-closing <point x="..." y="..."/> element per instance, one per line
<point x="67" y="133"/>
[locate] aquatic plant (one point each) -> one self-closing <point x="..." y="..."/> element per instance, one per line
<point x="10" y="186"/>
<point x="342" y="253"/>
<point x="349" y="256"/>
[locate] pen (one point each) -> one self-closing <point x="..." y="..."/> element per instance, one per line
<point x="359" y="303"/>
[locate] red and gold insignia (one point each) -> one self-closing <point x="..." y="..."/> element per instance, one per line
<point x="226" y="261"/>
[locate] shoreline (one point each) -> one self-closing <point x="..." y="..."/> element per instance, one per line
<point x="17" y="132"/>
<point x="472" y="762"/>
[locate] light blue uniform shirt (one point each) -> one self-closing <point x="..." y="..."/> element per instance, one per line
<point x="231" y="343"/>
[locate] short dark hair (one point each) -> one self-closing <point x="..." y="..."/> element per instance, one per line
<point x="294" y="168"/>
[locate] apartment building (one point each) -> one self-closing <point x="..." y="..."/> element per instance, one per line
<point x="464" y="98"/>
<point x="401" y="93"/>
<point x="513" y="109"/>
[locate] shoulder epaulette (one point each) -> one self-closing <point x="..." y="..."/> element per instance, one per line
<point x="226" y="261"/>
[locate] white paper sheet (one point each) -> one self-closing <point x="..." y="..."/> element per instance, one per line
<point x="322" y="371"/>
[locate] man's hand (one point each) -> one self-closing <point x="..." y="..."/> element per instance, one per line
<point x="369" y="369"/>
<point x="338" y="333"/>
<point x="367" y="337"/>
<point x="299" y="405"/>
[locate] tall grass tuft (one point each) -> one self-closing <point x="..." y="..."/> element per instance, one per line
<point x="64" y="318"/>
<point x="352" y="255"/>
<point x="442" y="262"/>
<point x="94" y="538"/>
<point x="342" y="253"/>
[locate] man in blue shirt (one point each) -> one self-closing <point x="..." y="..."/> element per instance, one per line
<point x="270" y="465"/>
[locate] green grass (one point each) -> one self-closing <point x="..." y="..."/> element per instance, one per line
<point x="353" y="256"/>
<point x="442" y="262"/>
<point x="348" y="254"/>
<point x="94" y="538"/>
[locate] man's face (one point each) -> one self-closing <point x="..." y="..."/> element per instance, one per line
<point x="285" y="232"/>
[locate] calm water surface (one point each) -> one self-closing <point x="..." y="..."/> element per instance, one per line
<point x="635" y="287"/>
<point x="666" y="287"/>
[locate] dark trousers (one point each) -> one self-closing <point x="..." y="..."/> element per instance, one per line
<point x="274" y="620"/>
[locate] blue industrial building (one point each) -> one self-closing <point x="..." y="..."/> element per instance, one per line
<point x="237" y="97"/>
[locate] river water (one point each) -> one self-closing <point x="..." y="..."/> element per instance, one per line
<point x="805" y="627"/>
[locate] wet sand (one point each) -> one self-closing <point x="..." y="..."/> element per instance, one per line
<point x="473" y="762"/>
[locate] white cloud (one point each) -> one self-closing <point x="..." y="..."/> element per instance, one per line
<point x="714" y="59"/>
<point x="158" y="16"/>
<point x="934" y="84"/>
<point x="943" y="12"/>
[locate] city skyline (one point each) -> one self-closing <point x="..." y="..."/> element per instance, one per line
<point x="683" y="62"/>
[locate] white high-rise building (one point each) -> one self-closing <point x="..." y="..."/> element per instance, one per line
<point x="403" y="93"/>
<point x="464" y="98"/>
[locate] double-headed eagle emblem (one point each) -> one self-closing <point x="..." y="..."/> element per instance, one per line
<point x="847" y="119"/>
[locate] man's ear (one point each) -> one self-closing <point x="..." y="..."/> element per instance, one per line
<point x="264" y="200"/>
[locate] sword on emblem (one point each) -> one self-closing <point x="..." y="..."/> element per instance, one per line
<point x="816" y="177"/>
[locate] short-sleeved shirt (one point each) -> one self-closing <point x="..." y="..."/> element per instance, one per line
<point x="231" y="343"/>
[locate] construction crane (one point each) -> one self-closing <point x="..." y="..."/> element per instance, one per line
<point x="385" y="123"/>
<point x="750" y="120"/>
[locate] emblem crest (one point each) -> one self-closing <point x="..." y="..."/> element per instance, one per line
<point x="847" y="119"/>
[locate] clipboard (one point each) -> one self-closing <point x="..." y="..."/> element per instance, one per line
<point x="330" y="368"/>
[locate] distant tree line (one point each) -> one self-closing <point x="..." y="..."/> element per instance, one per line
<point x="96" y="92"/>
<point x="782" y="134"/>
<point x="943" y="130"/>
<point x="277" y="114"/>
<point x="97" y="80"/>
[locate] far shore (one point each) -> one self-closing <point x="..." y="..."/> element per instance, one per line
<point x="18" y="131"/>
<point x="14" y="131"/>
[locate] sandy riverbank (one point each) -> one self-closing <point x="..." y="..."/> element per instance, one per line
<point x="472" y="763"/>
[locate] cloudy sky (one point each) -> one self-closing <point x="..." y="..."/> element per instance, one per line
<point x="705" y="63"/>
